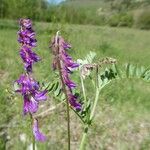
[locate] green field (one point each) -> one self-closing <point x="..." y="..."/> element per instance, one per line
<point x="122" y="120"/>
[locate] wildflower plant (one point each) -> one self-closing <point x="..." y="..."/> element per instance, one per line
<point x="27" y="86"/>
<point x="100" y="74"/>
<point x="65" y="65"/>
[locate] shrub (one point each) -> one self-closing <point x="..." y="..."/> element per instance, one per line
<point x="142" y="19"/>
<point x="113" y="20"/>
<point x="126" y="20"/>
<point x="122" y="19"/>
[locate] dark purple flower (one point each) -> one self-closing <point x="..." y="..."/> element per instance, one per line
<point x="27" y="37"/>
<point x="69" y="83"/>
<point x="31" y="93"/>
<point x="68" y="60"/>
<point x="37" y="134"/>
<point x="28" y="57"/>
<point x="30" y="105"/>
<point x="25" y="23"/>
<point x="73" y="102"/>
<point x="40" y="96"/>
<point x="28" y="87"/>
<point x="66" y="46"/>
<point x="59" y="47"/>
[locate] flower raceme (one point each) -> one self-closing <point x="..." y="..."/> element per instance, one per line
<point x="26" y="36"/>
<point x="29" y="87"/>
<point x="31" y="93"/>
<point x="65" y="64"/>
<point x="26" y="33"/>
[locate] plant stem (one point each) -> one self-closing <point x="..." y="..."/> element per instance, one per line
<point x="68" y="124"/>
<point x="78" y="115"/>
<point x="95" y="103"/>
<point x="67" y="102"/>
<point x="33" y="138"/>
<point x="83" y="88"/>
<point x="84" y="137"/>
<point x="64" y="89"/>
<point x="33" y="143"/>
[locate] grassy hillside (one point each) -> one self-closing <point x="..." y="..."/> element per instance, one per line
<point x="123" y="115"/>
<point x="114" y="13"/>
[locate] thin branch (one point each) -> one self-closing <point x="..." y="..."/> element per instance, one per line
<point x="48" y="111"/>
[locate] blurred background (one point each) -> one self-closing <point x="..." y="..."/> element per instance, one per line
<point x="126" y="13"/>
<point x="113" y="28"/>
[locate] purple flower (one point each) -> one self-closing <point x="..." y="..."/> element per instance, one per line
<point x="69" y="63"/>
<point x="26" y="36"/>
<point x="67" y="66"/>
<point x="30" y="105"/>
<point x="70" y="84"/>
<point x="39" y="96"/>
<point x="28" y="57"/>
<point x="31" y="93"/>
<point x="25" y="23"/>
<point x="28" y="87"/>
<point x="66" y="46"/>
<point x="37" y="134"/>
<point x="73" y="102"/>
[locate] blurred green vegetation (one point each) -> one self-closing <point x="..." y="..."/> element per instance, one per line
<point x="129" y="13"/>
<point x="122" y="119"/>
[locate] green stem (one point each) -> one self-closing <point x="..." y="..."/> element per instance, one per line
<point x="33" y="143"/>
<point x="95" y="103"/>
<point x="78" y="115"/>
<point x="67" y="103"/>
<point x="83" y="141"/>
<point x="33" y="138"/>
<point x="84" y="137"/>
<point x="83" y="88"/>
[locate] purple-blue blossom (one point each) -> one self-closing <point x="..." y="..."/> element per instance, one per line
<point x="26" y="36"/>
<point x="31" y="93"/>
<point x="29" y="57"/>
<point x="59" y="49"/>
<point x="37" y="134"/>
<point x="28" y="86"/>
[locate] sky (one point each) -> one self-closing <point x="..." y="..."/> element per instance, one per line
<point x="56" y="1"/>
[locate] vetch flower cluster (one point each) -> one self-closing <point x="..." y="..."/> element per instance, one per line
<point x="28" y="86"/>
<point x="65" y="64"/>
<point x="28" y="41"/>
<point x="30" y="90"/>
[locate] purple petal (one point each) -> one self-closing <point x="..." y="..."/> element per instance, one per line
<point x="70" y="83"/>
<point x="40" y="96"/>
<point x="25" y="23"/>
<point x="37" y="134"/>
<point x="30" y="105"/>
<point x="73" y="102"/>
<point x="66" y="45"/>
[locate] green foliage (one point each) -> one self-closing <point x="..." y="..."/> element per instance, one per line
<point x="14" y="9"/>
<point x="2" y="143"/>
<point x="132" y="71"/>
<point x="113" y="13"/>
<point x="122" y="114"/>
<point x="143" y="19"/>
<point x="122" y="19"/>
<point x="114" y="20"/>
